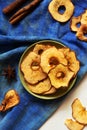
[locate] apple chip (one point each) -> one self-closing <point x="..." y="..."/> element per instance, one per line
<point x="31" y="69"/>
<point x="11" y="99"/>
<point x="81" y="33"/>
<point x="41" y="87"/>
<point x="75" y="21"/>
<point x="80" y="30"/>
<point x="73" y="62"/>
<point x="83" y="28"/>
<point x="52" y="57"/>
<point x="60" y="76"/>
<point x="54" y="9"/>
<point x="73" y="125"/>
<point x="79" y="112"/>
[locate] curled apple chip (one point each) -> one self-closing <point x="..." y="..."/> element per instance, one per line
<point x="31" y="69"/>
<point x="73" y="125"/>
<point x="60" y="76"/>
<point x="80" y="30"/>
<point x="52" y="57"/>
<point x="75" y="21"/>
<point x="11" y="99"/>
<point x="73" y="62"/>
<point x="81" y="33"/>
<point x="79" y="112"/>
<point x="40" y="87"/>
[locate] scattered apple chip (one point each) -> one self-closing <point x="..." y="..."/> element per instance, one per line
<point x="75" y="21"/>
<point x="84" y="17"/>
<point x="73" y="125"/>
<point x="60" y="76"/>
<point x="31" y="69"/>
<point x="41" y="87"/>
<point x="50" y="58"/>
<point x="81" y="30"/>
<point x="54" y="10"/>
<point x="81" y="33"/>
<point x="11" y="99"/>
<point x="79" y="112"/>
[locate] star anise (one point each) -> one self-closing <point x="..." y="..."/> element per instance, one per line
<point x="9" y="73"/>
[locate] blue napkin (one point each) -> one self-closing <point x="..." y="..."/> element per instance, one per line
<point x="31" y="113"/>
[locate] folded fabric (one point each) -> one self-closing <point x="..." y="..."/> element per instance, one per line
<point x="31" y="112"/>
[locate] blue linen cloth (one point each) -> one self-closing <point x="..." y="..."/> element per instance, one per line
<point x="31" y="112"/>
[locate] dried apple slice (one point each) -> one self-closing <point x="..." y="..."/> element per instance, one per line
<point x="50" y="58"/>
<point x="82" y="29"/>
<point x="73" y="62"/>
<point x="79" y="112"/>
<point x="60" y="76"/>
<point x="11" y="99"/>
<point x="74" y="23"/>
<point x="40" y="87"/>
<point x="73" y="125"/>
<point x="31" y="69"/>
<point x="54" y="7"/>
<point x="81" y="33"/>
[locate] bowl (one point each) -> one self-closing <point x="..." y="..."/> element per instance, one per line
<point x="60" y="92"/>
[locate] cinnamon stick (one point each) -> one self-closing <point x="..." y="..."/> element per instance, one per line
<point x="24" y="11"/>
<point x="14" y="5"/>
<point x="18" y="18"/>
